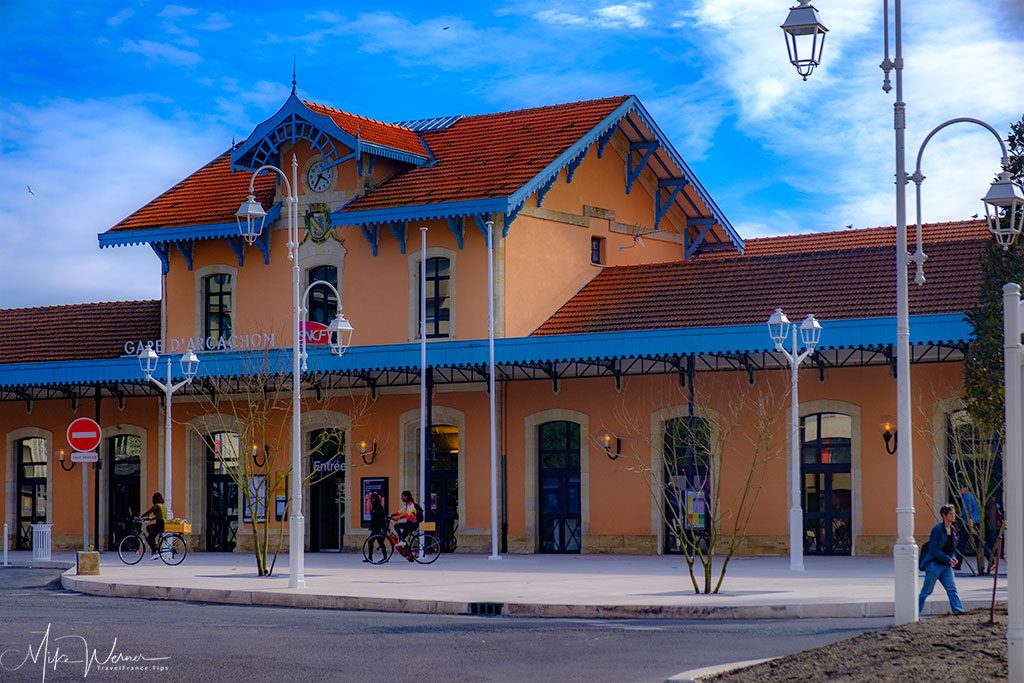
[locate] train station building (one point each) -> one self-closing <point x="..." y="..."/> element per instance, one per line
<point x="627" y="310"/>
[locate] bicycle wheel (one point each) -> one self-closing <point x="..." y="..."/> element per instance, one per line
<point x="424" y="548"/>
<point x="131" y="549"/>
<point x="384" y="548"/>
<point x="173" y="549"/>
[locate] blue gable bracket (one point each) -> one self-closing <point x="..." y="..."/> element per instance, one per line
<point x="455" y="225"/>
<point x="604" y="139"/>
<point x="370" y="233"/>
<point x="543" y="191"/>
<point x="263" y="244"/>
<point x="695" y="245"/>
<point x="182" y="232"/>
<point x="238" y="247"/>
<point x="509" y="217"/>
<point x="633" y="171"/>
<point x="675" y="186"/>
<point x="570" y="170"/>
<point x="340" y="160"/>
<point x="184" y="248"/>
<point x="399" y="230"/>
<point x="481" y="223"/>
<point x="162" y="253"/>
<point x="700" y="222"/>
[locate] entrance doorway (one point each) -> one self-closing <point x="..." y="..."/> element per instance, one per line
<point x="443" y="499"/>
<point x="687" y="451"/>
<point x="221" y="491"/>
<point x="327" y="490"/>
<point x="825" y="456"/>
<point x="561" y="519"/>
<point x="124" y="485"/>
<point x="32" y="491"/>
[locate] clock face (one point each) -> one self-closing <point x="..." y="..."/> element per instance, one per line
<point x="319" y="178"/>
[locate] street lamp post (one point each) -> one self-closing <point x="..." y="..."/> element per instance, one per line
<point x="148" y="359"/>
<point x="804" y="39"/>
<point x="1013" y="328"/>
<point x="490" y="390"/>
<point x="251" y="218"/>
<point x="780" y="329"/>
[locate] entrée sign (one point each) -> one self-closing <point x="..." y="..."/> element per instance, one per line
<point x="236" y="342"/>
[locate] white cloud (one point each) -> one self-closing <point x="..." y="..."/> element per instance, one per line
<point x="834" y="132"/>
<point x="215" y="22"/>
<point x="690" y="115"/>
<point x="161" y="52"/>
<point x="629" y="15"/>
<point x="90" y="164"/>
<point x="176" y="11"/>
<point x="121" y="17"/>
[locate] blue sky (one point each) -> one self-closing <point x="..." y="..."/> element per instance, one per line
<point x="105" y="105"/>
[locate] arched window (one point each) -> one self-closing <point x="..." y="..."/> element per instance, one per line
<point x="32" y="464"/>
<point x="323" y="305"/>
<point x="687" y="451"/>
<point x="222" y="451"/>
<point x="561" y="525"/>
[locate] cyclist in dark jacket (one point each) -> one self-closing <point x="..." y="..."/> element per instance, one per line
<point x="940" y="560"/>
<point x="158" y="515"/>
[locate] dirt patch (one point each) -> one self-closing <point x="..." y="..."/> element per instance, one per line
<point x="950" y="648"/>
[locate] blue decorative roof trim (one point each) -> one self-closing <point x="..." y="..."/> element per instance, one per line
<point x="295" y="121"/>
<point x="421" y="212"/>
<point x="211" y="231"/>
<point x="851" y="333"/>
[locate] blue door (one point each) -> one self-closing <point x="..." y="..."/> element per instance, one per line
<point x="561" y="520"/>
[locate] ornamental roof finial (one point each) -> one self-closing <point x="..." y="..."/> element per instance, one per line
<point x="293" y="73"/>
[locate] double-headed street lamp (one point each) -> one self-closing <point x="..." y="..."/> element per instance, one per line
<point x="251" y="217"/>
<point x="148" y="359"/>
<point x="780" y="330"/>
<point x="805" y="37"/>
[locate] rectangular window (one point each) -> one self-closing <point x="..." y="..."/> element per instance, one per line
<point x="217" y="305"/>
<point x="597" y="250"/>
<point x="323" y="305"/>
<point x="438" y="298"/>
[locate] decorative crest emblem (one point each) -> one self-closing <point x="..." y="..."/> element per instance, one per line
<point x="318" y="223"/>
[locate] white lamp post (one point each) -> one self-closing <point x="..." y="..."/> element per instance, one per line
<point x="491" y="398"/>
<point x="1013" y="457"/>
<point x="1004" y="200"/>
<point x="148" y="359"/>
<point x="780" y="330"/>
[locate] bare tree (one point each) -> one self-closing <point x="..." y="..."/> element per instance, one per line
<point x="249" y="431"/>
<point x="702" y="451"/>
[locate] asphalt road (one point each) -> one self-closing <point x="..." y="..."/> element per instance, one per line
<point x="206" y="642"/>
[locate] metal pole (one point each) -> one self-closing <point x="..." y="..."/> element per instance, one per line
<point x="97" y="466"/>
<point x="6" y="563"/>
<point x="168" y="395"/>
<point x="796" y="548"/>
<point x="297" y="529"/>
<point x="490" y="380"/>
<point x="905" y="550"/>
<point x="423" y="365"/>
<point x="85" y="508"/>
<point x="1013" y="317"/>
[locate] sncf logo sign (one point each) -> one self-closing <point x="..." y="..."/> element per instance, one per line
<point x="315" y="333"/>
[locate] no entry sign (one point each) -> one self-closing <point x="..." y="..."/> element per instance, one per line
<point x="84" y="434"/>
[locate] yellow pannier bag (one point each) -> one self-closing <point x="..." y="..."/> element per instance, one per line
<point x="178" y="526"/>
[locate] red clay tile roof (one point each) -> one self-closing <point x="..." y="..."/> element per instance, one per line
<point x="847" y="274"/>
<point x="371" y="130"/>
<point x="37" y="335"/>
<point x="209" y="196"/>
<point x="491" y="155"/>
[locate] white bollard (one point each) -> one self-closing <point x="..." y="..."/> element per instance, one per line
<point x="6" y="563"/>
<point x="41" y="541"/>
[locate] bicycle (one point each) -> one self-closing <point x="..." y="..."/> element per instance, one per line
<point x="422" y="547"/>
<point x="133" y="547"/>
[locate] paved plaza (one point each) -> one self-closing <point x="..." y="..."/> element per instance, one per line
<point x="531" y="585"/>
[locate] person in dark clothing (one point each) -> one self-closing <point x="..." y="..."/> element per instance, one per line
<point x="940" y="560"/>
<point x="157" y="516"/>
<point x="378" y="523"/>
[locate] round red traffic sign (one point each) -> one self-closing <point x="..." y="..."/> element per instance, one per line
<point x="84" y="434"/>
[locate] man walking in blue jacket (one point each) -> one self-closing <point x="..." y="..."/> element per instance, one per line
<point x="940" y="560"/>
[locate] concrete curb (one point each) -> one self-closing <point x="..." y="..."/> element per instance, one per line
<point x="39" y="564"/>
<point x="307" y="600"/>
<point x="698" y="675"/>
